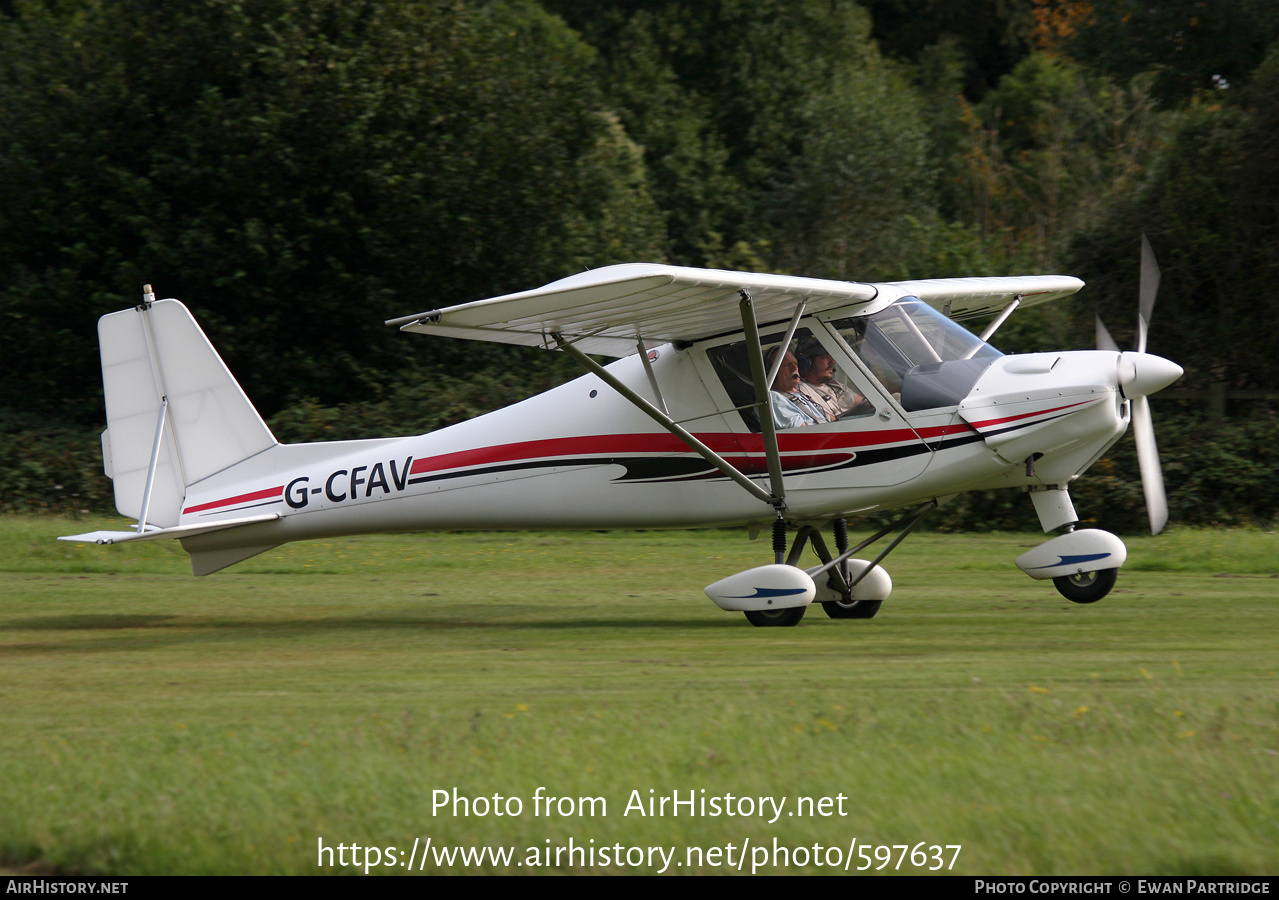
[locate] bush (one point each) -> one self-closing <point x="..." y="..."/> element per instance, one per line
<point x="51" y="468"/>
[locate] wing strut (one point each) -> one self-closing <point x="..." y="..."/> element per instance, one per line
<point x="761" y="379"/>
<point x="790" y="333"/>
<point x="759" y="376"/>
<point x="652" y="379"/>
<point x="995" y="323"/>
<point x="665" y="420"/>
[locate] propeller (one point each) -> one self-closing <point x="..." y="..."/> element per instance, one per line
<point x="1141" y="374"/>
<point x="1104" y="340"/>
<point x="1146" y="292"/>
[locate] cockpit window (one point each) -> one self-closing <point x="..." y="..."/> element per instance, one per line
<point x="922" y="357"/>
<point x="809" y="388"/>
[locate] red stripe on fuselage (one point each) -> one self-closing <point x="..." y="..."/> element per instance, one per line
<point x="242" y="498"/>
<point x="624" y="444"/>
<point x="809" y="440"/>
<point x="527" y="451"/>
<point x="1039" y="412"/>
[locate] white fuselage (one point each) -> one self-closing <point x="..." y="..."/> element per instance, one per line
<point x="579" y="456"/>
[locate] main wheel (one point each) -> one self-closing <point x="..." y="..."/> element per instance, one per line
<point x="776" y="618"/>
<point x="856" y="609"/>
<point x="1087" y="587"/>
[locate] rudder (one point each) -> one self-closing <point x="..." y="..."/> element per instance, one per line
<point x="155" y="353"/>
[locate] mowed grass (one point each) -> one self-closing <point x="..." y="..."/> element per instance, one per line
<point x="152" y="722"/>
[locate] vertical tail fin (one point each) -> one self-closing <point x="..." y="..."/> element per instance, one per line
<point x="175" y="414"/>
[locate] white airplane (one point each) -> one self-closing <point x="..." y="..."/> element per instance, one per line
<point x="704" y="423"/>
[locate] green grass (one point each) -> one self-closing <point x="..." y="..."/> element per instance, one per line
<point x="157" y="723"/>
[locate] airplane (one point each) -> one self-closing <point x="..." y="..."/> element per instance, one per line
<point x="693" y="425"/>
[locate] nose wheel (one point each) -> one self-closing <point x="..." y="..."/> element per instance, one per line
<point x="1061" y="559"/>
<point x="1086" y="587"/>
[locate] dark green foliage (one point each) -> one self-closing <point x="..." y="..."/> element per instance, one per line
<point x="295" y="171"/>
<point x="51" y="468"/>
<point x="1051" y="146"/>
<point x="775" y="133"/>
<point x="1211" y="210"/>
<point x="844" y="205"/>
<point x="991" y="35"/>
<point x="1193" y="45"/>
<point x="1217" y="473"/>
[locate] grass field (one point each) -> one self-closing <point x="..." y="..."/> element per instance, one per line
<point x="153" y="722"/>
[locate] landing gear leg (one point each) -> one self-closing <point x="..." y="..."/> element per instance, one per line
<point x="785" y="617"/>
<point x="856" y="588"/>
<point x="778" y="595"/>
<point x="844" y="607"/>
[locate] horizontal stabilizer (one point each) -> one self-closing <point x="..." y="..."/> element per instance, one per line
<point x="157" y="534"/>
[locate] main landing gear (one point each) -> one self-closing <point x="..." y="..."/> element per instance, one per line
<point x="852" y="609"/>
<point x="777" y="596"/>
<point x="776" y="618"/>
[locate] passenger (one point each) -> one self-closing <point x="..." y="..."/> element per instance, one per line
<point x="818" y="385"/>
<point x="791" y="409"/>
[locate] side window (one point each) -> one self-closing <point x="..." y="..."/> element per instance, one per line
<point x="810" y="389"/>
<point x="734" y="370"/>
<point x="879" y="354"/>
<point x="823" y="382"/>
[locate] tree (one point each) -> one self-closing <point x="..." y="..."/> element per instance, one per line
<point x="990" y="36"/>
<point x="846" y="203"/>
<point x="1192" y="45"/>
<point x="684" y="152"/>
<point x="296" y="171"/>
<point x="1211" y="210"/>
<point x="775" y="133"/>
<point x="1049" y="146"/>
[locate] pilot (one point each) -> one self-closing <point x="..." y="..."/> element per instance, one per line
<point x="791" y="409"/>
<point x="818" y="385"/>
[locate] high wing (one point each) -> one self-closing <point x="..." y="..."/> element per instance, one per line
<point x="972" y="298"/>
<point x="606" y="311"/>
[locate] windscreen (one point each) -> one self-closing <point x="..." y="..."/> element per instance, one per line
<point x="922" y="357"/>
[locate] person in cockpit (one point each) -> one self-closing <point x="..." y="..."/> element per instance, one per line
<point x="818" y="384"/>
<point x="791" y="409"/>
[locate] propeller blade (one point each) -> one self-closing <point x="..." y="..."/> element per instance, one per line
<point x="1146" y="293"/>
<point x="1104" y="340"/>
<point x="1152" y="476"/>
